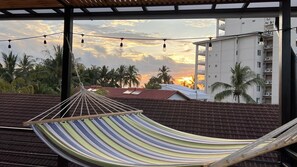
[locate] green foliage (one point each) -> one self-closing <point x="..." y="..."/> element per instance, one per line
<point x="163" y="77"/>
<point x="102" y="91"/>
<point x="9" y="66"/>
<point x="44" y="76"/>
<point x="153" y="83"/>
<point x="242" y="78"/>
<point x="6" y="87"/>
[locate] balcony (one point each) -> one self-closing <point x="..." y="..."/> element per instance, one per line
<point x="267" y="94"/>
<point x="222" y="26"/>
<point x="266" y="47"/>
<point x="269" y="25"/>
<point x="201" y="72"/>
<point x="201" y="63"/>
<point x="268" y="59"/>
<point x="267" y="34"/>
<point x="268" y="82"/>
<point x="268" y="71"/>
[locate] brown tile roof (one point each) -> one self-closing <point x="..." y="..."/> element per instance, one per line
<point x="144" y="93"/>
<point x="205" y="118"/>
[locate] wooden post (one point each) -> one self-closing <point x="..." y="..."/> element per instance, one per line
<point x="66" y="68"/>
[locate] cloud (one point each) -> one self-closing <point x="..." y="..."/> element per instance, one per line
<point x="128" y="23"/>
<point x="205" y="23"/>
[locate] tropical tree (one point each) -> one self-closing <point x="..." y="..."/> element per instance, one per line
<point x="153" y="83"/>
<point x="91" y="75"/>
<point x="164" y="75"/>
<point x="103" y="77"/>
<point x="25" y="66"/>
<point x="242" y="78"/>
<point x="51" y="68"/>
<point x="133" y="77"/>
<point x="9" y="66"/>
<point x="6" y="87"/>
<point x="122" y="75"/>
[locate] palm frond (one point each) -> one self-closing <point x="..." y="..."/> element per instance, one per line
<point x="218" y="85"/>
<point x="220" y="96"/>
<point x="248" y="98"/>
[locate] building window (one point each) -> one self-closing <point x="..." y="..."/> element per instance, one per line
<point x="257" y="100"/>
<point x="253" y="20"/>
<point x="258" y="88"/>
<point x="208" y="66"/>
<point x="259" y="64"/>
<point x="237" y="52"/>
<point x="215" y="76"/>
<point x="216" y="54"/>
<point x="259" y="52"/>
<point x="209" y="76"/>
<point x="216" y="65"/>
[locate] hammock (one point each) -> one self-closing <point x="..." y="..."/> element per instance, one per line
<point x="93" y="130"/>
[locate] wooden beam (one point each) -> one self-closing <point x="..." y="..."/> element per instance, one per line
<point x="80" y="117"/>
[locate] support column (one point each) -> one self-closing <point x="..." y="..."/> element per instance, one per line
<point x="67" y="60"/>
<point x="66" y="66"/>
<point x="286" y="82"/>
<point x="196" y="68"/>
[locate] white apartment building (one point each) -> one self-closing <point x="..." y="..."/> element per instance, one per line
<point x="238" y="41"/>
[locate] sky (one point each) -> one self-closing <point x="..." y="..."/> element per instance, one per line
<point x="147" y="55"/>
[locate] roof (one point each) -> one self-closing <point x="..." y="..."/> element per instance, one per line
<point x="190" y="93"/>
<point x="141" y="93"/>
<point x="136" y="9"/>
<point x="226" y="120"/>
<point x="227" y="37"/>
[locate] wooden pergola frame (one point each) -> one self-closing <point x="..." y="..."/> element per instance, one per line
<point x="68" y="10"/>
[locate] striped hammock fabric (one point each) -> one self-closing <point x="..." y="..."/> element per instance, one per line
<point x="92" y="130"/>
<point x="132" y="140"/>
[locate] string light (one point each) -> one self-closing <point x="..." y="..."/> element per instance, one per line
<point x="210" y="44"/>
<point x="261" y="40"/>
<point x="44" y="41"/>
<point x="164" y="45"/>
<point x="82" y="42"/>
<point x="121" y="44"/>
<point x="9" y="45"/>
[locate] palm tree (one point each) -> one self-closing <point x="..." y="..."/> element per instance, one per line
<point x="53" y="67"/>
<point x="103" y="77"/>
<point x="242" y="78"/>
<point x="9" y="66"/>
<point x="164" y="75"/>
<point x="121" y="75"/>
<point x="133" y="78"/>
<point x="26" y="65"/>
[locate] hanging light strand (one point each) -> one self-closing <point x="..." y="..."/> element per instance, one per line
<point x="9" y="45"/>
<point x="82" y="42"/>
<point x="164" y="45"/>
<point x="210" y="44"/>
<point x="44" y="41"/>
<point x="121" y="44"/>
